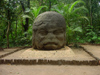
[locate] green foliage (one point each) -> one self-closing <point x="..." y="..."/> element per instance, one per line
<point x="26" y="16"/>
<point x="74" y="15"/>
<point x="73" y="5"/>
<point x="71" y="12"/>
<point x="82" y="20"/>
<point x="91" y="35"/>
<point x="70" y="34"/>
<point x="34" y="12"/>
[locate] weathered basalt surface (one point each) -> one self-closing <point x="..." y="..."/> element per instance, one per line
<point x="49" y="31"/>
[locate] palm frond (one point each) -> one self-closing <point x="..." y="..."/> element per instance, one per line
<point x="66" y="7"/>
<point x="73" y="5"/>
<point x="36" y="11"/>
<point x="57" y="9"/>
<point x="26" y="16"/>
<point x="79" y="9"/>
<point x="84" y="17"/>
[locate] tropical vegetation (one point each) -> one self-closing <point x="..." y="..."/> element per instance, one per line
<point x="17" y="16"/>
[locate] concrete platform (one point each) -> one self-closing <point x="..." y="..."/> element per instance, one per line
<point x="63" y="54"/>
<point x="52" y="54"/>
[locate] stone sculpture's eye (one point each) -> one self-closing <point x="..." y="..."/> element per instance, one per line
<point x="59" y="31"/>
<point x="43" y="32"/>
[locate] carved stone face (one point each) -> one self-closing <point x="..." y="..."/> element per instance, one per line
<point x="49" y="31"/>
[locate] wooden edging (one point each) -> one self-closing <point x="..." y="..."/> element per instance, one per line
<point x="1" y="56"/>
<point x="96" y="58"/>
<point x="47" y="62"/>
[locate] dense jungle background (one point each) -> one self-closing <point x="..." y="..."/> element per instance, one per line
<point x="17" y="17"/>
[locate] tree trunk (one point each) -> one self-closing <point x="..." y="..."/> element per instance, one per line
<point x="27" y="19"/>
<point x="4" y="34"/>
<point x="8" y="35"/>
<point x="49" y="5"/>
<point x="8" y="17"/>
<point x="90" y="12"/>
<point x="28" y="5"/>
<point x="26" y="26"/>
<point x="16" y="29"/>
<point x="22" y="26"/>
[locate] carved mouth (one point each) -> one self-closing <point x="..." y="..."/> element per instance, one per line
<point x="50" y="43"/>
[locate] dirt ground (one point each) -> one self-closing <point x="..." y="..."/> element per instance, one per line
<point x="54" y="69"/>
<point x="48" y="70"/>
<point x="5" y="51"/>
<point x="95" y="50"/>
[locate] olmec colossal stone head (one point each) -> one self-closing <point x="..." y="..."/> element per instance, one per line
<point x="49" y="31"/>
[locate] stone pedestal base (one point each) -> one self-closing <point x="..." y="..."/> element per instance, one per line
<point x="51" y="54"/>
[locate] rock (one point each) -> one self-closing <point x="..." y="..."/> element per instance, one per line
<point x="49" y="31"/>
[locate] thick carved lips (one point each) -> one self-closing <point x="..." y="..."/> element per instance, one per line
<point x="50" y="43"/>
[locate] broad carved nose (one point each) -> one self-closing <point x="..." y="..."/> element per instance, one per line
<point x="50" y="36"/>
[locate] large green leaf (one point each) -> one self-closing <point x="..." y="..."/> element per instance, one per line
<point x="84" y="17"/>
<point x="36" y="11"/>
<point x="26" y="16"/>
<point x="77" y="29"/>
<point x="79" y="9"/>
<point x="73" y="5"/>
